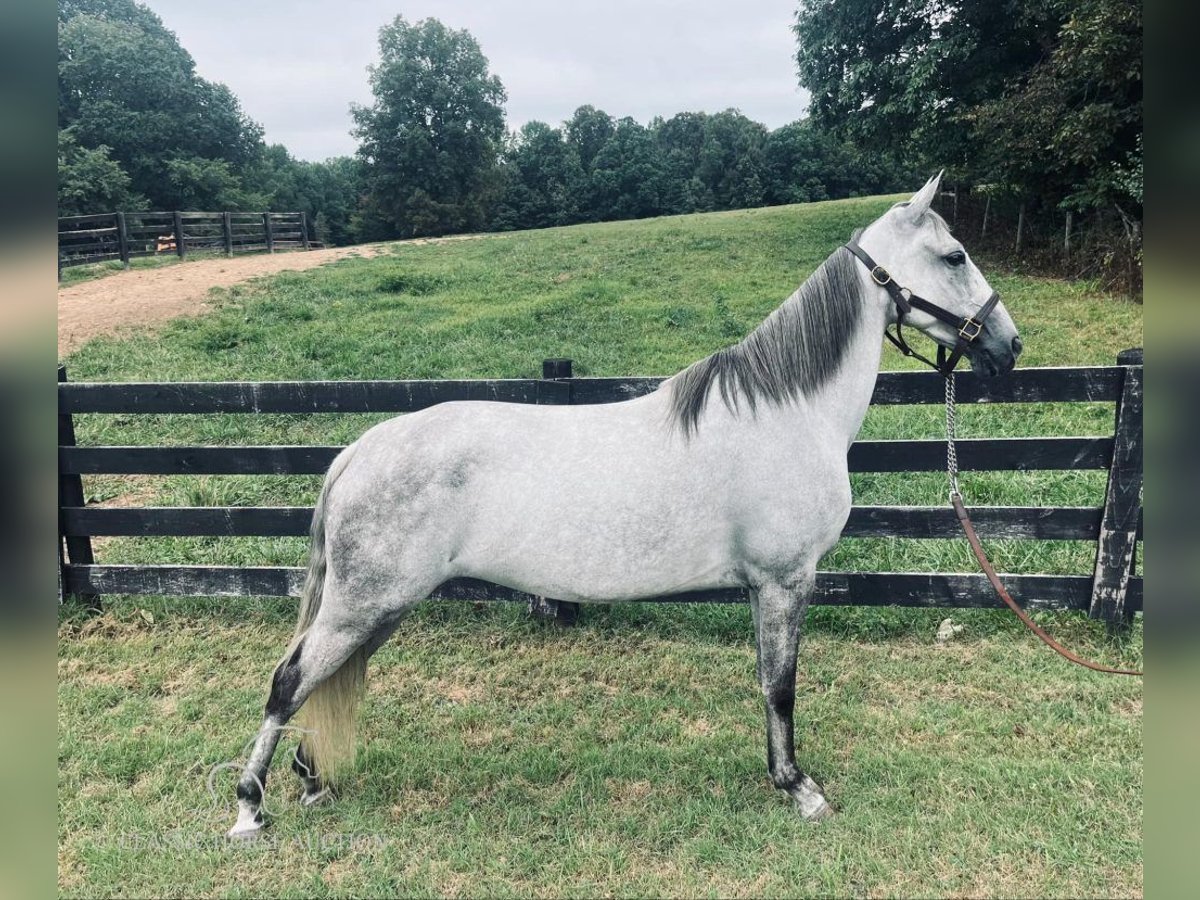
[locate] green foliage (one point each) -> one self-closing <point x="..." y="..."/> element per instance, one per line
<point x="125" y="83"/>
<point x="327" y="191"/>
<point x="626" y="176"/>
<point x="596" y="168"/>
<point x="138" y="128"/>
<point x="1071" y="126"/>
<point x="90" y="180"/>
<point x="1039" y="99"/>
<point x="543" y="180"/>
<point x="193" y="182"/>
<point x="430" y="140"/>
<point x="433" y="156"/>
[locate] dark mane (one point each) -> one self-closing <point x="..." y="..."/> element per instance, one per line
<point x="796" y="350"/>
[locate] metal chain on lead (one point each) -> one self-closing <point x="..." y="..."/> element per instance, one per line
<point x="951" y="434"/>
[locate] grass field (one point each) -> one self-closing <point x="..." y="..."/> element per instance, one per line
<point x="624" y="757"/>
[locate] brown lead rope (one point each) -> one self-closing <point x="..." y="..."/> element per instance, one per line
<point x="984" y="563"/>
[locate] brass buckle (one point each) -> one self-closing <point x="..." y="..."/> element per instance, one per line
<point x="966" y="332"/>
<point x="886" y="276"/>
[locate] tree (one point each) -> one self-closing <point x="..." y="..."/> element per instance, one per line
<point x="1071" y="126"/>
<point x="139" y="128"/>
<point x="680" y="142"/>
<point x="91" y="181"/>
<point x="731" y="160"/>
<point x="543" y="180"/>
<point x="194" y="182"/>
<point x="125" y="83"/>
<point x="803" y="163"/>
<point x="588" y="130"/>
<point x="1041" y="98"/>
<point x="899" y="76"/>
<point x="627" y="175"/>
<point x="430" y="141"/>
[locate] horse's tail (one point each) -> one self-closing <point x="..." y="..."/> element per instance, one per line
<point x="328" y="716"/>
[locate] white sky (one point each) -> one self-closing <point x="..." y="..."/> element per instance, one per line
<point x="296" y="65"/>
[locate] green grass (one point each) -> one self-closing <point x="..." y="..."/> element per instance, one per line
<point x="623" y="757"/>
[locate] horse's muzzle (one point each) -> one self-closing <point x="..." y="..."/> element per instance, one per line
<point x="995" y="358"/>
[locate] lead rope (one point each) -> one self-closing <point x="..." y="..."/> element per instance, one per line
<point x="960" y="509"/>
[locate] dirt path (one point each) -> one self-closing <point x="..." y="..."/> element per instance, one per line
<point x="151" y="296"/>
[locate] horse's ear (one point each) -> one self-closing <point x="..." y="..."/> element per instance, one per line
<point x="919" y="204"/>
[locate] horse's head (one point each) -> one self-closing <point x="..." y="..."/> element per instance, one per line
<point x="916" y="247"/>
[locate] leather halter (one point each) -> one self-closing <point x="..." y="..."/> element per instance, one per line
<point x="906" y="301"/>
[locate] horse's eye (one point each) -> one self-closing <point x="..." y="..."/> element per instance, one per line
<point x="957" y="258"/>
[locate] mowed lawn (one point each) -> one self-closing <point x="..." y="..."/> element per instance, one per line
<point x="625" y="756"/>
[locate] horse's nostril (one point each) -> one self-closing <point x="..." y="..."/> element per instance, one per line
<point x="1016" y="346"/>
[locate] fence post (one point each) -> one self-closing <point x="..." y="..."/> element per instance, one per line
<point x="1116" y="547"/>
<point x="304" y="229"/>
<point x="122" y="239"/>
<point x="561" y="612"/>
<point x="70" y="493"/>
<point x="179" y="251"/>
<point x="270" y="238"/>
<point x="227" y="232"/>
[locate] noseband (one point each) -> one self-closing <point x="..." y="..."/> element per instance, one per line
<point x="906" y="301"/>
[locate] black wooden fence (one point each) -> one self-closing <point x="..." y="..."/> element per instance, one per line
<point x="126" y="235"/>
<point x="1112" y="592"/>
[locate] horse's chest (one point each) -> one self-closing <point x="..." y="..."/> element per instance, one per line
<point x="798" y="507"/>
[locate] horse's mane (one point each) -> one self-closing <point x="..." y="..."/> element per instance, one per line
<point x="796" y="350"/>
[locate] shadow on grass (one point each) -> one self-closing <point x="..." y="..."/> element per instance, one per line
<point x="723" y="625"/>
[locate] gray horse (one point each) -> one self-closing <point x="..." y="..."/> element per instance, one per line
<point x="732" y="474"/>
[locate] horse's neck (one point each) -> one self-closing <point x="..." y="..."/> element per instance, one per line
<point x="830" y="417"/>
<point x="843" y="402"/>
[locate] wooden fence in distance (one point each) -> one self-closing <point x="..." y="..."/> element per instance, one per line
<point x="127" y="235"/>
<point x="1111" y="592"/>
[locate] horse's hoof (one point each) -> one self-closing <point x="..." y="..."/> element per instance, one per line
<point x="819" y="812"/>
<point x="811" y="802"/>
<point x="248" y="827"/>
<point x="312" y="798"/>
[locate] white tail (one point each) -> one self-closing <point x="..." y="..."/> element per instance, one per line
<point x="329" y="714"/>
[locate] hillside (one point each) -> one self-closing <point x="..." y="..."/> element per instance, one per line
<point x="646" y="297"/>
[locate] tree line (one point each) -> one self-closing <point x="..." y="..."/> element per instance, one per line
<point x="1035" y="105"/>
<point x="139" y="129"/>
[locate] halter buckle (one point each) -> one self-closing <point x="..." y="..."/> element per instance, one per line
<point x="886" y="276"/>
<point x="970" y="330"/>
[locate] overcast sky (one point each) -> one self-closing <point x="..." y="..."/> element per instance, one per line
<point x="297" y="65"/>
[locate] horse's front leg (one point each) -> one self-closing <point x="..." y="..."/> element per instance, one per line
<point x="778" y="618"/>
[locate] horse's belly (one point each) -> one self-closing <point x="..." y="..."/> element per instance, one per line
<point x="573" y="541"/>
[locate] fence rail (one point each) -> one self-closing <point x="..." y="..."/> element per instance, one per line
<point x="128" y="235"/>
<point x="1111" y="592"/>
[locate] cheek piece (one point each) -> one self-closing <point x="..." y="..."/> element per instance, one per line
<point x="906" y="301"/>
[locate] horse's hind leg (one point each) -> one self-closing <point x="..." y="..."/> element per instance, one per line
<point x="329" y="648"/>
<point x="778" y="617"/>
<point x="305" y="767"/>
